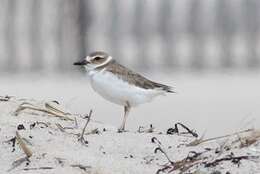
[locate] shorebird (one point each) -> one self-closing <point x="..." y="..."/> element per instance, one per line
<point x="118" y="84"/>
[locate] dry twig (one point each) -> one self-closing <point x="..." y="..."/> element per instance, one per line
<point x="176" y="130"/>
<point x="81" y="139"/>
<point x="161" y="149"/>
<point x="81" y="166"/>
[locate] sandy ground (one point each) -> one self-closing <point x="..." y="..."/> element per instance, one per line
<point x="214" y="104"/>
<point x="55" y="147"/>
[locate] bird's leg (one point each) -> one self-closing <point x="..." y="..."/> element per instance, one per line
<point x="127" y="108"/>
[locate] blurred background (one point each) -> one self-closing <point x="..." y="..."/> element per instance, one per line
<point x="207" y="49"/>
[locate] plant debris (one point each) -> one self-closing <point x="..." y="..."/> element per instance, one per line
<point x="207" y="159"/>
<point x="82" y="167"/>
<point x="38" y="168"/>
<point x="5" y="98"/>
<point x="160" y="148"/>
<point x="49" y="109"/>
<point x="20" y="127"/>
<point x="176" y="130"/>
<point x="13" y="141"/>
<point x="233" y="159"/>
<point x="18" y="162"/>
<point x="201" y="140"/>
<point x="81" y="138"/>
<point x="40" y="124"/>
<point x="23" y="146"/>
<point x="142" y="129"/>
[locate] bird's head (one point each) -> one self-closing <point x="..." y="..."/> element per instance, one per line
<point x="95" y="60"/>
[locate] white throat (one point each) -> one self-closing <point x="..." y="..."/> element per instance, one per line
<point x="91" y="69"/>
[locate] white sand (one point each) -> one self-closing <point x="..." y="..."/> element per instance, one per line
<point x="108" y="152"/>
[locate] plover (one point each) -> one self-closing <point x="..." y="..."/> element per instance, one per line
<point x="119" y="84"/>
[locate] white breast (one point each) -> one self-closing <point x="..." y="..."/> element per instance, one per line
<point x="118" y="91"/>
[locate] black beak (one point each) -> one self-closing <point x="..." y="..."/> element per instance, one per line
<point x="84" y="62"/>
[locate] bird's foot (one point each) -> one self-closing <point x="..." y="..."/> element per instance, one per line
<point x="121" y="130"/>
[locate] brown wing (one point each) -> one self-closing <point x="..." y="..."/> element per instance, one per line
<point x="135" y="78"/>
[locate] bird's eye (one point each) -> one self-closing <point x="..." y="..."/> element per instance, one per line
<point x="97" y="58"/>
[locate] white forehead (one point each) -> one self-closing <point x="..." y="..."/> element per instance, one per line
<point x="88" y="58"/>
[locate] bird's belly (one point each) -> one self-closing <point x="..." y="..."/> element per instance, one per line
<point x="120" y="92"/>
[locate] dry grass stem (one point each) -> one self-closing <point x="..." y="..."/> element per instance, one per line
<point x="201" y="140"/>
<point x="55" y="108"/>
<point x="62" y="129"/>
<point x="250" y="139"/>
<point x="50" y="112"/>
<point x="39" y="168"/>
<point x="176" y="130"/>
<point x="23" y="146"/>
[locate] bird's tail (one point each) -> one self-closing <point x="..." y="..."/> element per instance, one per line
<point x="165" y="88"/>
<point x="168" y="89"/>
